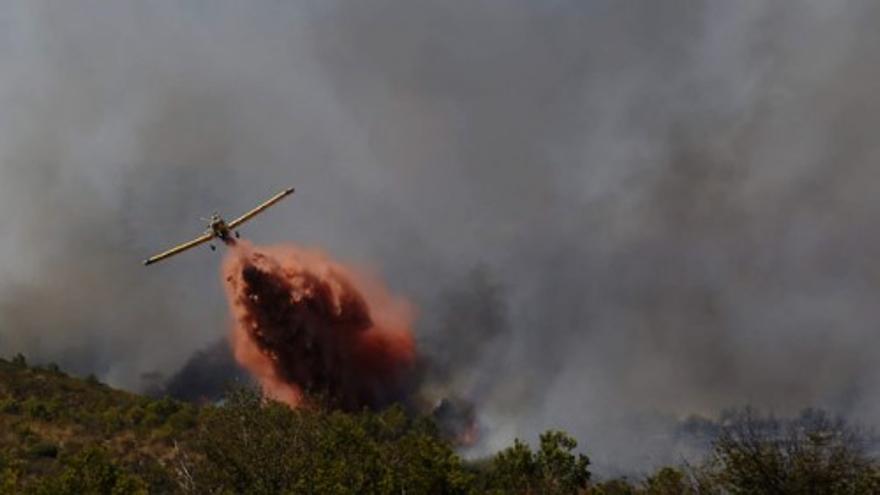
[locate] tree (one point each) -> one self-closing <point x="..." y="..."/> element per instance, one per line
<point x="613" y="487"/>
<point x="811" y="454"/>
<point x="562" y="471"/>
<point x="513" y="470"/>
<point x="553" y="469"/>
<point x="668" y="481"/>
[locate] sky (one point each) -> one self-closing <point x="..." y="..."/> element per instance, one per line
<point x="610" y="215"/>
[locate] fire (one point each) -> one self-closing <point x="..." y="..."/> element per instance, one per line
<point x="303" y="322"/>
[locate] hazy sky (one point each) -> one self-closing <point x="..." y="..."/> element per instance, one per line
<point x="670" y="206"/>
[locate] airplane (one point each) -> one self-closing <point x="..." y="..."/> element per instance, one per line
<point x="218" y="228"/>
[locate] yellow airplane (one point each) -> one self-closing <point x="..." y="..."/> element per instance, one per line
<point x="219" y="229"/>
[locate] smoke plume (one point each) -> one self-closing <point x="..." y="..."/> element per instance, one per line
<point x="674" y="205"/>
<point x="205" y="377"/>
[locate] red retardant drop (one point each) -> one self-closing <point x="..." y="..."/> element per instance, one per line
<point x="303" y="323"/>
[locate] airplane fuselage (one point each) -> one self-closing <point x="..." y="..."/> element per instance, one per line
<point x="220" y="229"/>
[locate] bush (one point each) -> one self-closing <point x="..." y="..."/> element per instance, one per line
<point x="9" y="480"/>
<point x="135" y="415"/>
<point x="10" y="406"/>
<point x="157" y="412"/>
<point x="36" y="409"/>
<point x="90" y="472"/>
<point x="668" y="481"/>
<point x="183" y="419"/>
<point x="112" y="420"/>
<point x="613" y="487"/>
<point x="44" y="449"/>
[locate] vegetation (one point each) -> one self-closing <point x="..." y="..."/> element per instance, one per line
<point x="63" y="435"/>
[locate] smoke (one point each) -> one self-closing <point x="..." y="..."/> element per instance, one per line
<point x="207" y="376"/>
<point x="675" y="204"/>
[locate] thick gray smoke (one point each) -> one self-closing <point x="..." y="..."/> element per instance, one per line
<point x="674" y="200"/>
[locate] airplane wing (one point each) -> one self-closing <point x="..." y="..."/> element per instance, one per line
<point x="256" y="211"/>
<point x="179" y="249"/>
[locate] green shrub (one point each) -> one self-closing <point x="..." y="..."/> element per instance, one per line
<point x="10" y="406"/>
<point x="613" y="487"/>
<point x="135" y="415"/>
<point x="157" y="412"/>
<point x="36" y="409"/>
<point x="90" y="472"/>
<point x="112" y="420"/>
<point x="9" y="480"/>
<point x="668" y="481"/>
<point x="183" y="419"/>
<point x="43" y="449"/>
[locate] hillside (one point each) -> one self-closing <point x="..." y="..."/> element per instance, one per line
<point x="47" y="417"/>
<point x="62" y="434"/>
<point x="65" y="435"/>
